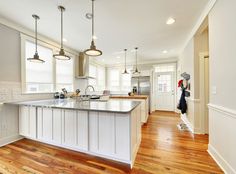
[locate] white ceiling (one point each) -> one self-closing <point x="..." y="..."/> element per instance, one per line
<point x="119" y="24"/>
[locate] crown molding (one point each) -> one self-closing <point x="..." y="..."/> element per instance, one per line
<point x="200" y="20"/>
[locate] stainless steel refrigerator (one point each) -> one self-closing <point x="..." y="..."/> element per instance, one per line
<point x="141" y="86"/>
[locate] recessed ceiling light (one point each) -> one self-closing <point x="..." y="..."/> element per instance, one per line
<point x="118" y="57"/>
<point x="164" y="51"/>
<point x="64" y="40"/>
<point x="170" y="21"/>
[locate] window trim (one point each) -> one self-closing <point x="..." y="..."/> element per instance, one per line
<point x="24" y="39"/>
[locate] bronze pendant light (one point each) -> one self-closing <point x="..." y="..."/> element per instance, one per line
<point x="93" y="51"/>
<point x="62" y="55"/>
<point x="36" y="58"/>
<point x="136" y="55"/>
<point x="125" y="71"/>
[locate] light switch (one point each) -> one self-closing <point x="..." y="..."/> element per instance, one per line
<point x="214" y="90"/>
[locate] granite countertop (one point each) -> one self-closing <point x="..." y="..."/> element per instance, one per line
<point x="129" y="97"/>
<point x="112" y="105"/>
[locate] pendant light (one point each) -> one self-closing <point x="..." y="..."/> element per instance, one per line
<point x="61" y="55"/>
<point x="93" y="51"/>
<point x="36" y="58"/>
<point x="125" y="71"/>
<point x="136" y="55"/>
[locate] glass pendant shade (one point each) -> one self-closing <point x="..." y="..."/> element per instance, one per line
<point x="93" y="51"/>
<point x="36" y="58"/>
<point x="125" y="71"/>
<point x="61" y="55"/>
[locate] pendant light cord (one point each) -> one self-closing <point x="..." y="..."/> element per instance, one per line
<point x="36" y="35"/>
<point x="93" y="20"/>
<point x="125" y="58"/>
<point x="136" y="58"/>
<point x="61" y="28"/>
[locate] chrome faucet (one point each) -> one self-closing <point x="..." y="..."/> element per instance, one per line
<point x="89" y="86"/>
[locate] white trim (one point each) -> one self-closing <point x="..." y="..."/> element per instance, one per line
<point x="7" y="140"/>
<point x="186" y="121"/>
<point x="193" y="100"/>
<point x="203" y="15"/>
<point x="226" y="111"/>
<point x="224" y="165"/>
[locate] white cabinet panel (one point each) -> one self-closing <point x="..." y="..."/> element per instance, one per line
<point x="24" y="121"/>
<point x="122" y="136"/>
<point x="70" y="128"/>
<point x="106" y="133"/>
<point x="47" y="124"/>
<point x="32" y="122"/>
<point x="93" y="131"/>
<point x="27" y="121"/>
<point x="57" y="126"/>
<point x="82" y="130"/>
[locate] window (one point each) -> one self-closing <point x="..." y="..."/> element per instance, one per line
<point x="164" y="83"/>
<point x="38" y="77"/>
<point x="165" y="68"/>
<point x="64" y="75"/>
<point x="118" y="81"/>
<point x="98" y="73"/>
<point x="114" y="80"/>
<point x="47" y="77"/>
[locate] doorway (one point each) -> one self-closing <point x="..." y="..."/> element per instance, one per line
<point x="165" y="91"/>
<point x="204" y="91"/>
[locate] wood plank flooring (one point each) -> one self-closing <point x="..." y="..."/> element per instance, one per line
<point x="164" y="149"/>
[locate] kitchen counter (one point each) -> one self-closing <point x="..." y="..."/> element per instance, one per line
<point x="117" y="106"/>
<point x="109" y="129"/>
<point x="129" y="97"/>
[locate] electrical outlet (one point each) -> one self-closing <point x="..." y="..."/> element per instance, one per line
<point x="214" y="90"/>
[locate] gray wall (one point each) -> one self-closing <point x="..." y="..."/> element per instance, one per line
<point x="9" y="54"/>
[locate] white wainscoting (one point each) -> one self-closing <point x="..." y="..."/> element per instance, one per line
<point x="222" y="137"/>
<point x="9" y="114"/>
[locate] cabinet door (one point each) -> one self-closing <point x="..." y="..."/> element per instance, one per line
<point x="47" y="124"/>
<point x="69" y="121"/>
<point x="82" y="130"/>
<point x="27" y="121"/>
<point x="57" y="126"/>
<point x="32" y="122"/>
<point x="24" y="121"/>
<point x="122" y="136"/>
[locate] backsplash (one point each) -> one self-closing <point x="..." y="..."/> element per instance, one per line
<point x="11" y="92"/>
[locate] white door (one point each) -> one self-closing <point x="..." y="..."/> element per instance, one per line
<point x="165" y="92"/>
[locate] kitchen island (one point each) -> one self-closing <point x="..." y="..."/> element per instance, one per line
<point x="109" y="129"/>
<point x="144" y="99"/>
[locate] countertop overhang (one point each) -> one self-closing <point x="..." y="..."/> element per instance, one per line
<point x="129" y="97"/>
<point x="112" y="105"/>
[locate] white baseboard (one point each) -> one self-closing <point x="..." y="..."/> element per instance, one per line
<point x="220" y="160"/>
<point x="186" y="121"/>
<point x="8" y="140"/>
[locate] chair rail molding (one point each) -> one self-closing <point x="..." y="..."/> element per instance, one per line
<point x="223" y="110"/>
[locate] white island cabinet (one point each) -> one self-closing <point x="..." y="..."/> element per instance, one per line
<point x="112" y="135"/>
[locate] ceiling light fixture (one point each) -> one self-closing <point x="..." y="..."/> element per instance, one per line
<point x="170" y="21"/>
<point x="93" y="51"/>
<point x="62" y="55"/>
<point x="36" y="58"/>
<point x="164" y="51"/>
<point x="125" y="71"/>
<point x="136" y="71"/>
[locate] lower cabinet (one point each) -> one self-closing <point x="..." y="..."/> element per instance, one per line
<point x="112" y="135"/>
<point x="27" y="121"/>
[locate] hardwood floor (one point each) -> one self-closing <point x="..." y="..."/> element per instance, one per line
<point x="164" y="149"/>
